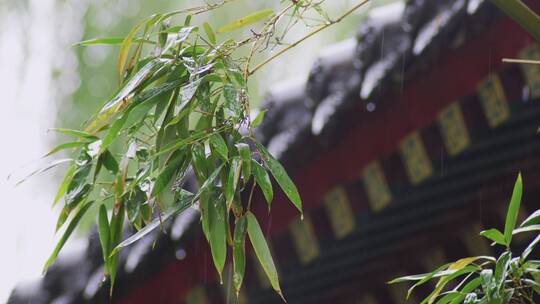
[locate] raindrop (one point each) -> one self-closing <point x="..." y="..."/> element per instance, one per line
<point x="180" y="254"/>
<point x="370" y="107"/>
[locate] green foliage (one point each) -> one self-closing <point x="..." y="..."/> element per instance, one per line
<point x="522" y="14"/>
<point x="182" y="104"/>
<point x="509" y="278"/>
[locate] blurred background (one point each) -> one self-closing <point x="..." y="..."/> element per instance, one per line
<point x="47" y="83"/>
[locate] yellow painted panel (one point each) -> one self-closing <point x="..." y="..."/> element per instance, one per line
<point x="453" y="129"/>
<point x="339" y="212"/>
<point x="531" y="71"/>
<point x="417" y="162"/>
<point x="377" y="189"/>
<point x="305" y="240"/>
<point x="493" y="100"/>
<point x="197" y="295"/>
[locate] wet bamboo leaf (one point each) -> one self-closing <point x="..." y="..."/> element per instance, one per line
<point x="166" y="175"/>
<point x="217" y="233"/>
<point x="281" y="176"/>
<point x="259" y="118"/>
<point x="232" y="180"/>
<point x="180" y="143"/>
<point x="69" y="230"/>
<point x="469" y="287"/>
<point x="232" y="100"/>
<point x="239" y="253"/>
<point x="65" y="146"/>
<point x="107" y="41"/>
<point x="81" y="134"/>
<point x="181" y="36"/>
<point x="109" y="161"/>
<point x="104" y="231"/>
<point x="134" y="202"/>
<point x="146" y="71"/>
<point x="126" y="44"/>
<point x="62" y="217"/>
<point x="527" y="229"/>
<point x="494" y="235"/>
<point x="220" y="145"/>
<point x="201" y="164"/>
<point x="423" y="278"/>
<point x="459" y="268"/>
<point x="49" y="166"/>
<point x="117" y="222"/>
<point x="530" y="248"/>
<point x="181" y="205"/>
<point x="513" y="210"/>
<point x="522" y="14"/>
<point x="65" y="183"/>
<point x="262" y="251"/>
<point x="210" y="33"/>
<point x="501" y="268"/>
<point x="97" y="41"/>
<point x="77" y="195"/>
<point x="263" y="180"/>
<point x="247" y="20"/>
<point x="114" y="130"/>
<point x="245" y="154"/>
<point x="533" y="219"/>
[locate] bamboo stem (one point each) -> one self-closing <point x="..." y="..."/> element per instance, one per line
<point x="525" y="61"/>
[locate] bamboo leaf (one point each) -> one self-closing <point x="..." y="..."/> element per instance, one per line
<point x="460" y="267"/>
<point x="49" y="166"/>
<point x="522" y="14"/>
<point x="167" y="174"/>
<point x="114" y="130"/>
<point x="533" y="219"/>
<point x="530" y="248"/>
<point x="513" y="210"/>
<point x="96" y="41"/>
<point x="81" y="134"/>
<point x="217" y="227"/>
<point x="495" y="236"/>
<point x="258" y="242"/>
<point x="126" y="44"/>
<point x="117" y="222"/>
<point x="263" y="180"/>
<point x="65" y="183"/>
<point x="220" y="145"/>
<point x="69" y="230"/>
<point x="146" y="71"/>
<point x="104" y="232"/>
<point x="247" y="20"/>
<point x="107" y="41"/>
<point x="259" y="118"/>
<point x="245" y="154"/>
<point x="232" y="180"/>
<point x="501" y="268"/>
<point x="65" y="146"/>
<point x="109" y="161"/>
<point x="181" y="205"/>
<point x="281" y="176"/>
<point x="232" y="100"/>
<point x="210" y="33"/>
<point x="239" y="253"/>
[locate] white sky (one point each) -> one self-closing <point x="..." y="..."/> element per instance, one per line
<point x="28" y="55"/>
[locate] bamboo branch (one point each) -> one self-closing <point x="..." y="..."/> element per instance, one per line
<point x="306" y="37"/>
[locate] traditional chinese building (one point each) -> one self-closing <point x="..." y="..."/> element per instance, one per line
<point x="404" y="144"/>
